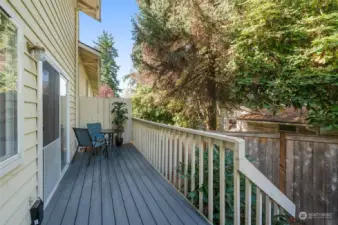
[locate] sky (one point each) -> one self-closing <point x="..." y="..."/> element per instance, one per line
<point x="116" y="19"/>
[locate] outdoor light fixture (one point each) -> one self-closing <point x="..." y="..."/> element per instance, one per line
<point x="37" y="51"/>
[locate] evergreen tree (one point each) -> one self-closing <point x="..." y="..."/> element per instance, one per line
<point x="109" y="68"/>
<point x="215" y="54"/>
<point x="183" y="45"/>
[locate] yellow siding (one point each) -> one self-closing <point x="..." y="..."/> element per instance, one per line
<point x="53" y="25"/>
<point x="82" y="82"/>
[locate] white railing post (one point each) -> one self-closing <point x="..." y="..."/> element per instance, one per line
<point x="222" y="182"/>
<point x="211" y="181"/>
<point x="201" y="177"/>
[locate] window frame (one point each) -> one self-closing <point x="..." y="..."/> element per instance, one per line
<point x="11" y="163"/>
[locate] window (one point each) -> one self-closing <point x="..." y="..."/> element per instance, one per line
<point x="51" y="93"/>
<point x="9" y="75"/>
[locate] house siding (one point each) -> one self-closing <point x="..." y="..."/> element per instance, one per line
<point x="52" y="24"/>
<point x="82" y="82"/>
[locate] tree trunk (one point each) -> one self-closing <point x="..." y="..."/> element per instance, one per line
<point x="211" y="115"/>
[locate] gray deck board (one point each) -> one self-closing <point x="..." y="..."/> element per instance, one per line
<point x="182" y="202"/>
<point x="73" y="204"/>
<point x="122" y="190"/>
<point x="82" y="213"/>
<point x="95" y="217"/>
<point x="186" y="212"/>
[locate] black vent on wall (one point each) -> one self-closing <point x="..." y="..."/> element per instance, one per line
<point x="37" y="212"/>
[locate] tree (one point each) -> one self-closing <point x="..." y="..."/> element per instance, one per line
<point x="260" y="54"/>
<point x="147" y="105"/>
<point x="109" y="68"/>
<point x="106" y="92"/>
<point x="285" y="54"/>
<point x="183" y="46"/>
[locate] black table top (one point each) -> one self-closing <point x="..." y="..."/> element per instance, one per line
<point x="107" y="131"/>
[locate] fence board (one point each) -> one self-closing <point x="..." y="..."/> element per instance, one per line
<point x="311" y="177"/>
<point x="93" y="110"/>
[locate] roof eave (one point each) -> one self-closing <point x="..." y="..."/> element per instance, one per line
<point x="92" y="9"/>
<point x="90" y="58"/>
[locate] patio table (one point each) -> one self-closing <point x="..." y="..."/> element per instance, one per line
<point x="110" y="133"/>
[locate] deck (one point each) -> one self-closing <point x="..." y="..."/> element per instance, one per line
<point x="122" y="190"/>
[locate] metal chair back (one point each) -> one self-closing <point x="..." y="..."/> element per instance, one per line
<point x="94" y="131"/>
<point x="83" y="137"/>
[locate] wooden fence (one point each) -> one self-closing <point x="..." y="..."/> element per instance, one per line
<point x="94" y="110"/>
<point x="312" y="176"/>
<point x="303" y="167"/>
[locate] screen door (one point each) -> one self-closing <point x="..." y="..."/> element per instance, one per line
<point x="51" y="129"/>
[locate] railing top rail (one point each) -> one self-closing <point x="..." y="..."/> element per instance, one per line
<point x="196" y="132"/>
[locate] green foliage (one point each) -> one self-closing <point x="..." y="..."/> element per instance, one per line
<point x="181" y="45"/>
<point x="147" y="105"/>
<point x="120" y="115"/>
<point x="229" y="189"/>
<point x="285" y="54"/>
<point x="256" y="53"/>
<point x="8" y="47"/>
<point x="109" y="68"/>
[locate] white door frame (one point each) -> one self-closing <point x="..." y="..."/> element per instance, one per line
<point x="67" y="124"/>
<point x="50" y="59"/>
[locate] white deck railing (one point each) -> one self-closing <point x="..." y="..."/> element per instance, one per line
<point x="155" y="142"/>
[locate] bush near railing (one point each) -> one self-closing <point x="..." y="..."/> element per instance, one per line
<point x="280" y="219"/>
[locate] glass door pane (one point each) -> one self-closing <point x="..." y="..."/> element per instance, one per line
<point x="63" y="121"/>
<point x="51" y="129"/>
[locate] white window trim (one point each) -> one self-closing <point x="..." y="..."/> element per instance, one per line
<point x="11" y="163"/>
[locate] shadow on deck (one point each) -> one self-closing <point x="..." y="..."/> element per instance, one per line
<point x="122" y="190"/>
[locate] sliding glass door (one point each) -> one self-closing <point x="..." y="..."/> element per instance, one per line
<point x="55" y="129"/>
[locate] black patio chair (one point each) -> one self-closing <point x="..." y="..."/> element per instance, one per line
<point x="84" y="140"/>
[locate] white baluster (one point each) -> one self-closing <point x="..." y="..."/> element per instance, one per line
<point x="222" y="182"/>
<point x="193" y="162"/>
<point x="275" y="209"/>
<point x="259" y="207"/>
<point x="211" y="181"/>
<point x="186" y="155"/>
<point x="170" y="157"/>
<point x="180" y="160"/>
<point x="175" y="159"/>
<point x="247" y="202"/>
<point x="166" y="157"/>
<point x="237" y="189"/>
<point x="201" y="177"/>
<point x="267" y="210"/>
